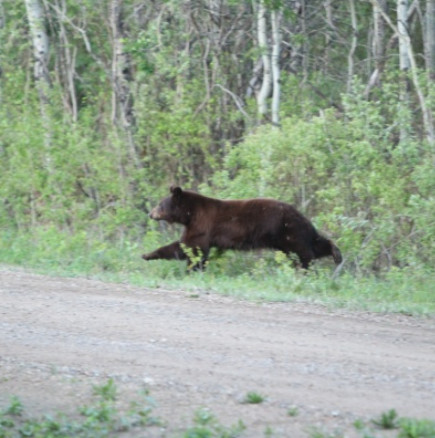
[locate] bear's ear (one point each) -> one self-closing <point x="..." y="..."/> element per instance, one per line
<point x="175" y="190"/>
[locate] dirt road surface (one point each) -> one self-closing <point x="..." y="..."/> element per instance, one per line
<point x="60" y="336"/>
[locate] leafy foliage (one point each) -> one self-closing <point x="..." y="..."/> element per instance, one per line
<point x="75" y="195"/>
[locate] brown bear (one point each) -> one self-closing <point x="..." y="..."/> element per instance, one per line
<point x="243" y="225"/>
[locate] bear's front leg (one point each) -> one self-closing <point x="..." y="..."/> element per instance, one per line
<point x="172" y="251"/>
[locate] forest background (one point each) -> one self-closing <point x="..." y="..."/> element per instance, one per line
<point x="325" y="104"/>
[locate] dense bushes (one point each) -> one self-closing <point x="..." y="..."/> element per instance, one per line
<point x="347" y="171"/>
<point x="375" y="197"/>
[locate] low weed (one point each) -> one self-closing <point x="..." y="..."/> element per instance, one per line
<point x="387" y="420"/>
<point x="316" y="432"/>
<point x="254" y="398"/>
<point x="101" y="419"/>
<point x="292" y="411"/>
<point x="104" y="418"/>
<point x="107" y="392"/>
<point x="207" y="426"/>
<point x="413" y="428"/>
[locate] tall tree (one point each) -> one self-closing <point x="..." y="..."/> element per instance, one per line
<point x="409" y="62"/>
<point x="378" y="44"/>
<point x="270" y="57"/>
<point x="38" y="32"/>
<point x="354" y="43"/>
<point x="122" y="76"/>
<point x="430" y="38"/>
<point x="2" y="24"/>
<point x="402" y="27"/>
<point x="276" y="51"/>
<point x="404" y="64"/>
<point x="266" y="84"/>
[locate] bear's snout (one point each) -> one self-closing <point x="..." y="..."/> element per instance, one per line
<point x="155" y="213"/>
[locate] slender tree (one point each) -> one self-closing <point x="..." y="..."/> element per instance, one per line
<point x="378" y="44"/>
<point x="36" y="18"/>
<point x="430" y="38"/>
<point x="266" y="84"/>
<point x="404" y="62"/>
<point x="2" y="24"/>
<point x="402" y="28"/>
<point x="406" y="40"/>
<point x="38" y="32"/>
<point x="276" y="51"/>
<point x="354" y="43"/>
<point x="122" y="76"/>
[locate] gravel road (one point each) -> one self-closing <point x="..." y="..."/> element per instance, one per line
<point x="60" y="336"/>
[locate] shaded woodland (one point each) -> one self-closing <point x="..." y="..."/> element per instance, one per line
<point x="326" y="104"/>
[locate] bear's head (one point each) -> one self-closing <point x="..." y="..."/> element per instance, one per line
<point x="174" y="208"/>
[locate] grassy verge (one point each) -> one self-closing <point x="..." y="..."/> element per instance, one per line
<point x="105" y="417"/>
<point x="262" y="276"/>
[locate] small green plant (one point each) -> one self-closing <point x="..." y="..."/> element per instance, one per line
<point x="412" y="428"/>
<point x="268" y="433"/>
<point x="106" y="391"/>
<point x="387" y="420"/>
<point x="101" y="419"/>
<point x="195" y="256"/>
<point x="358" y="424"/>
<point x="15" y="408"/>
<point x="207" y="426"/>
<point x="315" y="432"/>
<point x="292" y="411"/>
<point x="254" y="398"/>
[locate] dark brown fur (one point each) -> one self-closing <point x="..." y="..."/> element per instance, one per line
<point x="241" y="225"/>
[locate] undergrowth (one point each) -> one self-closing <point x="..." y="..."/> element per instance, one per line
<point x="258" y="276"/>
<point x="106" y="416"/>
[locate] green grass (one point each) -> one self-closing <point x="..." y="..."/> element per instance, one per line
<point x="264" y="276"/>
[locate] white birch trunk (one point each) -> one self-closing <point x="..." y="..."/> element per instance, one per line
<point x="378" y="45"/>
<point x="427" y="115"/>
<point x="266" y="85"/>
<point x="430" y="39"/>
<point x="402" y="27"/>
<point x="276" y="49"/>
<point x="350" y="62"/>
<point x="35" y="16"/>
<point x="2" y="23"/>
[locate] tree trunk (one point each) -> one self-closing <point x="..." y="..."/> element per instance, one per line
<point x="266" y="85"/>
<point x="36" y="18"/>
<point x="2" y="24"/>
<point x="350" y="62"/>
<point x="402" y="27"/>
<point x="430" y="39"/>
<point x="122" y="99"/>
<point x="276" y="49"/>
<point x="328" y="39"/>
<point x="378" y="45"/>
<point x="66" y="55"/>
<point x="427" y="115"/>
<point x="35" y="15"/>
